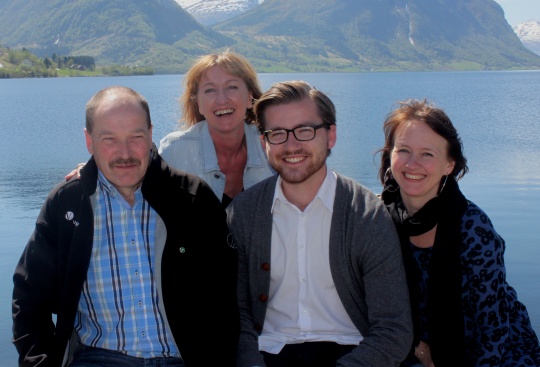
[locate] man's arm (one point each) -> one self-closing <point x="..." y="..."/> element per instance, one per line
<point x="240" y="221"/>
<point x="372" y="282"/>
<point x="33" y="295"/>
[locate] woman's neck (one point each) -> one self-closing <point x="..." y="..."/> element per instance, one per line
<point x="425" y="240"/>
<point x="230" y="144"/>
<point x="231" y="152"/>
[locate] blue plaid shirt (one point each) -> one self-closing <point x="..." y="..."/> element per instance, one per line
<point x="118" y="309"/>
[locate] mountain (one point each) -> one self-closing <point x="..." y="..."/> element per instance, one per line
<point x="380" y="35"/>
<point x="275" y="35"/>
<point x="529" y="34"/>
<point x="140" y="32"/>
<point x="209" y="12"/>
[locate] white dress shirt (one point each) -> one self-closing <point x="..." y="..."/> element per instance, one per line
<point x="303" y="303"/>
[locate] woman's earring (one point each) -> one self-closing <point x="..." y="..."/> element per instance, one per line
<point x="390" y="187"/>
<point x="444" y="183"/>
<point x="388" y="174"/>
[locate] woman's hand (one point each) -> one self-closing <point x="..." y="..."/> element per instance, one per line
<point x="423" y="353"/>
<point x="75" y="172"/>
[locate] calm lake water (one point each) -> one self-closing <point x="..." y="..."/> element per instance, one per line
<point x="496" y="113"/>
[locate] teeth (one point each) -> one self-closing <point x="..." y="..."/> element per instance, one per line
<point x="413" y="177"/>
<point x="294" y="160"/>
<point x="224" y="112"/>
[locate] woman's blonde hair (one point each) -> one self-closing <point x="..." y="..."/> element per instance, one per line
<point x="231" y="63"/>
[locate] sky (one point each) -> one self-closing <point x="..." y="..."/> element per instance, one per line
<point x="518" y="11"/>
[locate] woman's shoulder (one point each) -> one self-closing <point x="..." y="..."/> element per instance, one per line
<point x="185" y="133"/>
<point x="476" y="214"/>
<point x="252" y="128"/>
<point x="178" y="138"/>
<point x="478" y="230"/>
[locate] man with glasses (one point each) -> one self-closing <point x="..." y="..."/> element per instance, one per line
<point x="320" y="274"/>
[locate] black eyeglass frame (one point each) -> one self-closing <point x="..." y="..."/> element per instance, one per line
<point x="315" y="128"/>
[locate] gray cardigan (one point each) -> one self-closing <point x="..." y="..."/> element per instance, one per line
<point x="366" y="266"/>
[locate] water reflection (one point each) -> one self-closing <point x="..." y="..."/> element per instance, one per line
<point x="25" y="191"/>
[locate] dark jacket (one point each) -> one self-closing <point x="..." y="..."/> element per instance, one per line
<point x="195" y="268"/>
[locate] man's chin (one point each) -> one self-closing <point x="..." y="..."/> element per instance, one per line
<point x="127" y="181"/>
<point x="294" y="177"/>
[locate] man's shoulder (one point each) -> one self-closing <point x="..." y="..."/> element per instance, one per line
<point x="348" y="189"/>
<point x="86" y="183"/>
<point x="163" y="179"/>
<point x="65" y="196"/>
<point x="180" y="176"/>
<point x="349" y="183"/>
<point x="264" y="188"/>
<point x="71" y="187"/>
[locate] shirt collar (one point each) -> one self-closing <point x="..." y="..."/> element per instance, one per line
<point x="110" y="190"/>
<point x="210" y="160"/>
<point x="325" y="194"/>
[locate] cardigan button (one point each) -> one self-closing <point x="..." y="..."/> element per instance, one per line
<point x="257" y="327"/>
<point x="182" y="250"/>
<point x="263" y="297"/>
<point x="265" y="266"/>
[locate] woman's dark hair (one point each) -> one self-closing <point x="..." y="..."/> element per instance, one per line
<point x="436" y="119"/>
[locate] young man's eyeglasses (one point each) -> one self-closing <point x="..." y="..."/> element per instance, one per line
<point x="301" y="133"/>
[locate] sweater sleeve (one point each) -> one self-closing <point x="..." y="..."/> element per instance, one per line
<point x="492" y="313"/>
<point x="370" y="278"/>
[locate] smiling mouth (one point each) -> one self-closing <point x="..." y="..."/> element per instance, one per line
<point x="413" y="177"/>
<point x="224" y="112"/>
<point x="294" y="159"/>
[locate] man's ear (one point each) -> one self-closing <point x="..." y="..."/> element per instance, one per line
<point x="89" y="145"/>
<point x="332" y="136"/>
<point x="263" y="141"/>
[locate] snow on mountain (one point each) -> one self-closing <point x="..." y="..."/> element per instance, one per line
<point x="529" y="34"/>
<point x="209" y="12"/>
<point x="187" y="3"/>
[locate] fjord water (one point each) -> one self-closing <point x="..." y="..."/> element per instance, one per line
<point x="496" y="113"/>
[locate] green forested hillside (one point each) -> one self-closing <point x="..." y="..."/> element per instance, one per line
<point x="23" y="64"/>
<point x="147" y="33"/>
<point x="382" y="35"/>
<point x="276" y="36"/>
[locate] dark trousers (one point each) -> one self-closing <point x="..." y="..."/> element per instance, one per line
<point x="95" y="357"/>
<point x="309" y="354"/>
